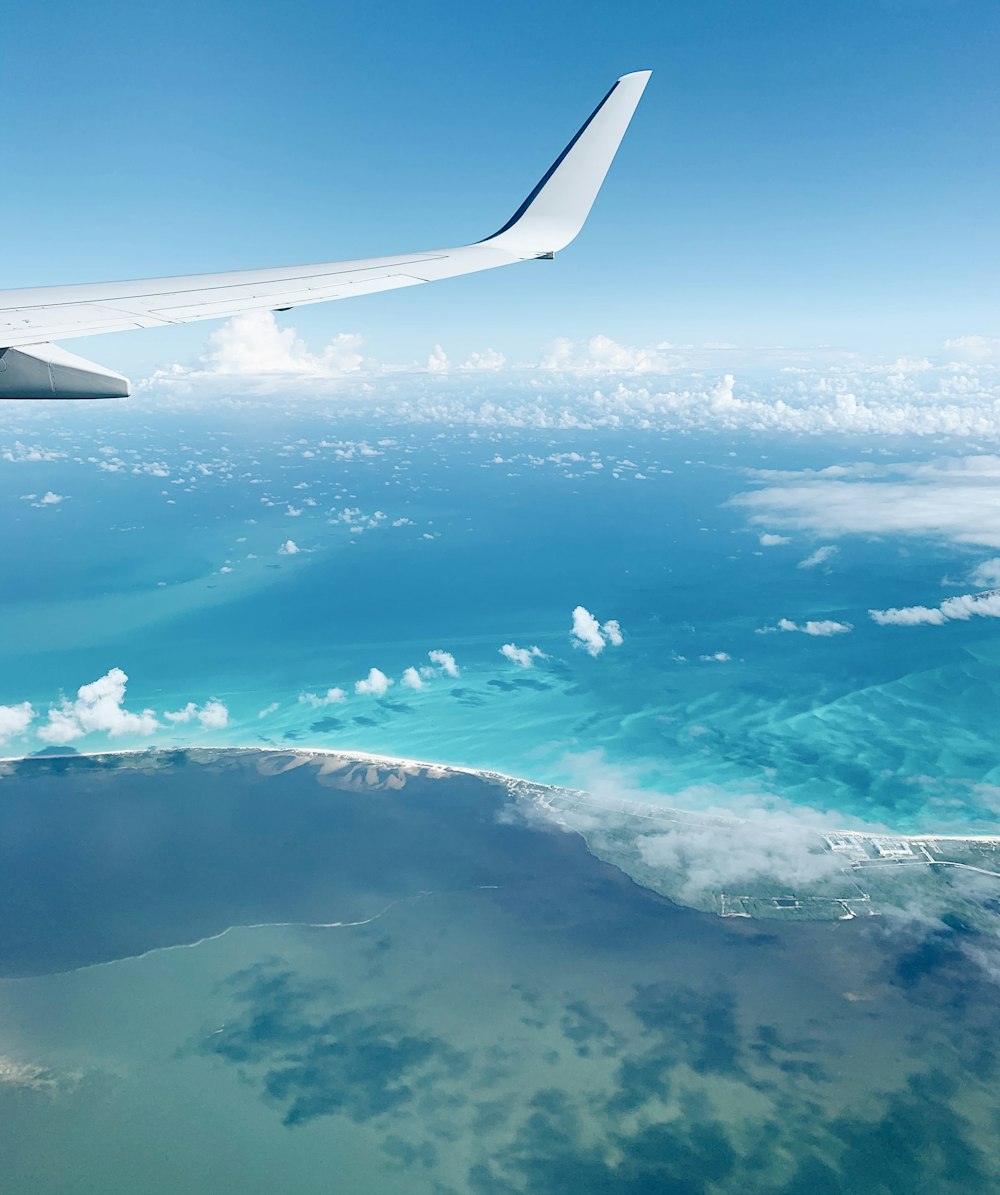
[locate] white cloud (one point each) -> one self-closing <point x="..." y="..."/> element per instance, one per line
<point x="986" y="575"/>
<point x="820" y="556"/>
<point x="99" y="706"/>
<point x="443" y="660"/>
<point x="956" y="499"/>
<point x="30" y="453"/>
<point x="908" y="616"/>
<point x="737" y="840"/>
<point x="717" y="657"/>
<point x="412" y="679"/>
<point x="589" y="634"/>
<point x="523" y="657"/>
<point x="267" y="710"/>
<point x="613" y="632"/>
<point x="289" y="548"/>
<point x="253" y="347"/>
<point x="961" y="608"/>
<point x="658" y="386"/>
<point x="50" y="498"/>
<point x="375" y="684"/>
<point x="974" y="348"/>
<point x="768" y="540"/>
<point x="818" y="627"/>
<point x="318" y="700"/>
<point x="15" y="720"/>
<point x="213" y="715"/>
<point x="601" y="354"/>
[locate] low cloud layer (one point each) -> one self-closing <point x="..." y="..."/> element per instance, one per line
<point x="955" y="499"/>
<point x="599" y="382"/>
<point x="737" y="841"/>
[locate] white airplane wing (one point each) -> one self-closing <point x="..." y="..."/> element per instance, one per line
<point x="551" y="216"/>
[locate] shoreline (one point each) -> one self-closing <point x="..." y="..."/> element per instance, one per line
<point x="397" y="761"/>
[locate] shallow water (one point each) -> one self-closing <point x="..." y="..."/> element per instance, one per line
<point x="512" y="1015"/>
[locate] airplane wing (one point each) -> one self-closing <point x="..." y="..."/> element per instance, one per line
<point x="550" y="217"/>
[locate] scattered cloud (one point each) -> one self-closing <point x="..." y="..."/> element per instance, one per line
<point x="49" y="498"/>
<point x="717" y="657"/>
<point x="819" y="557"/>
<point x="953" y="609"/>
<point x="767" y="540"/>
<point x="15" y="720"/>
<point x="818" y="627"/>
<point x="213" y="715"/>
<point x="412" y="679"/>
<point x="267" y="710"/>
<point x="593" y="636"/>
<point x="98" y="707"/>
<point x="443" y="660"/>
<point x="375" y="684"/>
<point x="319" y="700"/>
<point x="289" y="548"/>
<point x="523" y="657"/>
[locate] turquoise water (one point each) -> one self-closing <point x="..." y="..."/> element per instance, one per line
<point x="164" y="560"/>
<point x="507" y="1015"/>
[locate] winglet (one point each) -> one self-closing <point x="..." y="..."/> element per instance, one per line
<point x="556" y="209"/>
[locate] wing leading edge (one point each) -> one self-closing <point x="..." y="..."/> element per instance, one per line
<point x="550" y="217"/>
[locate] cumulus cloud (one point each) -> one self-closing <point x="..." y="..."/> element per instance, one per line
<point x="768" y="540"/>
<point x="98" y="707"/>
<point x="412" y="679"/>
<point x="443" y="660"/>
<point x="600" y="354"/>
<point x="819" y="557"/>
<point x="523" y="657"/>
<point x="15" y="720"/>
<point x="318" y="700"/>
<point x="960" y="609"/>
<point x="289" y="548"/>
<point x="213" y="715"/>
<point x="252" y="347"/>
<point x="974" y="348"/>
<point x="49" y="498"/>
<point x="821" y="627"/>
<point x="375" y="684"/>
<point x="593" y="636"/>
<point x="908" y="616"/>
<point x="717" y="657"/>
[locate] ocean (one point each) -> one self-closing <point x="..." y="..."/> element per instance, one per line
<point x="162" y="550"/>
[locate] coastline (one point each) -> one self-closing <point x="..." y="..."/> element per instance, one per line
<point x="518" y="785"/>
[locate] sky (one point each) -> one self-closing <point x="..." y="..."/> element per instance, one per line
<point x="796" y="175"/>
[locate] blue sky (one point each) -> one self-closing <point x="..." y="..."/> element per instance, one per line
<point x="800" y="174"/>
